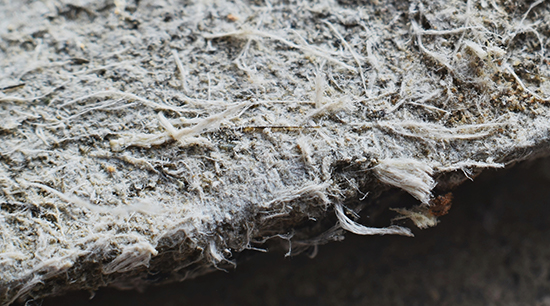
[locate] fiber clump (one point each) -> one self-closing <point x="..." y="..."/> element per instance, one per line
<point x="145" y="142"/>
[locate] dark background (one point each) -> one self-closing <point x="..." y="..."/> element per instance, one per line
<point x="492" y="249"/>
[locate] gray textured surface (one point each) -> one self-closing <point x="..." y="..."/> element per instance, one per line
<point x="492" y="249"/>
<point x="151" y="141"/>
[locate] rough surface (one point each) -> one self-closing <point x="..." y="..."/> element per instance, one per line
<point x="148" y="141"/>
<point x="492" y="249"/>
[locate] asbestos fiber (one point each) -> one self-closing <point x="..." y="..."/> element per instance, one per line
<point x="150" y="141"/>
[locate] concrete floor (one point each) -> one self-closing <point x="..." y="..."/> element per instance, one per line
<point x="492" y="249"/>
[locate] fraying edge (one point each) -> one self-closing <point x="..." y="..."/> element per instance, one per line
<point x="411" y="175"/>
<point x="419" y="215"/>
<point x="356" y="228"/>
<point x="132" y="256"/>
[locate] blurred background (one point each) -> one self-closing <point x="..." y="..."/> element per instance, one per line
<point x="493" y="248"/>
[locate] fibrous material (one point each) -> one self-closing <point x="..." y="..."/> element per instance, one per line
<point x="150" y="141"/>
